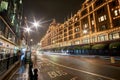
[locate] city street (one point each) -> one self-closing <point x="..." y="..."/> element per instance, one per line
<point x="63" y="39"/>
<point x="59" y="67"/>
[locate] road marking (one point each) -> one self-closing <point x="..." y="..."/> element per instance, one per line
<point x="54" y="74"/>
<point x="74" y="78"/>
<point x="98" y="75"/>
<point x="90" y="78"/>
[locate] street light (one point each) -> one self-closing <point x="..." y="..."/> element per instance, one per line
<point x="36" y="24"/>
<point x="31" y="40"/>
<point x="28" y="29"/>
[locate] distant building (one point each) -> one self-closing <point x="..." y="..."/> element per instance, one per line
<point x="96" y="23"/>
<point x="11" y="17"/>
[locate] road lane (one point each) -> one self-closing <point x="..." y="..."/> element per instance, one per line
<point x="50" y="70"/>
<point x="105" y="70"/>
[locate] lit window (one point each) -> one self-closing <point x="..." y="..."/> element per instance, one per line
<point x="92" y="22"/>
<point x="94" y="39"/>
<point x="76" y="18"/>
<point x="110" y="37"/>
<point x="77" y="29"/>
<point x="77" y="42"/>
<point x="99" y="19"/>
<point x="86" y="40"/>
<point x="102" y="38"/>
<point x="85" y="31"/>
<point x="105" y="17"/>
<point x="119" y="1"/>
<point x="86" y="25"/>
<point x="115" y="35"/>
<point x="116" y="12"/>
<point x="119" y="11"/>
<point x="102" y="18"/>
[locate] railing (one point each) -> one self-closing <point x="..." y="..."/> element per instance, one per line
<point x="7" y="62"/>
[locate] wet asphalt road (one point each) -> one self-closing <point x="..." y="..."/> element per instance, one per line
<point x="56" y="67"/>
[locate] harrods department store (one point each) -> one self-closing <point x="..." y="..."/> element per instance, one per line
<point x="97" y="23"/>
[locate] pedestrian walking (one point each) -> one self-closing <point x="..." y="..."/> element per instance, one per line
<point x="22" y="58"/>
<point x="19" y="54"/>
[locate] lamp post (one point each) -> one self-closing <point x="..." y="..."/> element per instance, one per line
<point x="28" y="29"/>
<point x="31" y="40"/>
<point x="30" y="48"/>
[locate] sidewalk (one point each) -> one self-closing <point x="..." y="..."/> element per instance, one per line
<point x="21" y="73"/>
<point x="6" y="75"/>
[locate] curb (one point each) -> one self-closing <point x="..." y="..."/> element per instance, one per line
<point x="9" y="71"/>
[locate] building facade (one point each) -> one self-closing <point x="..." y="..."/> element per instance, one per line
<point x="96" y="24"/>
<point x="11" y="17"/>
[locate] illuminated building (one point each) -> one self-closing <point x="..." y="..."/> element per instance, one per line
<point x="11" y="16"/>
<point x="97" y="23"/>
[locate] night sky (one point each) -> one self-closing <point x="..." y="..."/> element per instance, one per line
<point x="46" y="10"/>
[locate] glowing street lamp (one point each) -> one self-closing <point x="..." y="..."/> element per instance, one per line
<point x="31" y="40"/>
<point x="36" y="24"/>
<point x="28" y="29"/>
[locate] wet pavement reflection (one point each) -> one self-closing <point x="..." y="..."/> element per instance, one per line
<point x="21" y="73"/>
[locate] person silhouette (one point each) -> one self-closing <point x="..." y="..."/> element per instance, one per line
<point x="35" y="74"/>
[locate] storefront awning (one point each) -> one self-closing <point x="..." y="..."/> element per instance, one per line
<point x="114" y="45"/>
<point x="99" y="46"/>
<point x="77" y="47"/>
<point x="86" y="47"/>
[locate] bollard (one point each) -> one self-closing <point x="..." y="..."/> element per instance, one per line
<point x="112" y="59"/>
<point x="30" y="71"/>
<point x="35" y="76"/>
<point x="8" y="60"/>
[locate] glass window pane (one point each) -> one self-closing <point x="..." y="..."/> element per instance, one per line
<point x="102" y="18"/>
<point x="116" y="12"/>
<point x="92" y="22"/>
<point x="110" y="37"/>
<point x="115" y="35"/>
<point x="119" y="11"/>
